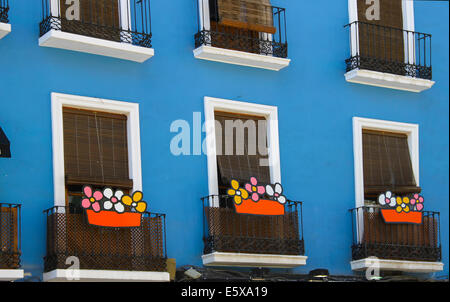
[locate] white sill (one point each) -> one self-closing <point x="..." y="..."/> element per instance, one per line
<point x="240" y="58"/>
<point x="398" y="265"/>
<point x="69" y="41"/>
<point x="253" y="260"/>
<point x="5" y="29"/>
<point x="387" y="80"/>
<point x="11" y="274"/>
<point x="63" y="275"/>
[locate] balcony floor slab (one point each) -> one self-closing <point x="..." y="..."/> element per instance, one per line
<point x="253" y="260"/>
<point x="387" y="80"/>
<point x="11" y="274"/>
<point x="5" y="29"/>
<point x="240" y="58"/>
<point x="397" y="265"/>
<point x="69" y="41"/>
<point x="66" y="275"/>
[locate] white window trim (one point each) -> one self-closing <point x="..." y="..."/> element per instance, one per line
<point x="5" y="28"/>
<point x="412" y="130"/>
<point x="269" y="112"/>
<point x="131" y="110"/>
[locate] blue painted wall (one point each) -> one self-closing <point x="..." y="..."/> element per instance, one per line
<point x="316" y="149"/>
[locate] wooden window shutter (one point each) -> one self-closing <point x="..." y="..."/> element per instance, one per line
<point x="255" y="15"/>
<point x="387" y="164"/>
<point x="379" y="42"/>
<point x="96" y="148"/>
<point x="241" y="167"/>
<point x="98" y="18"/>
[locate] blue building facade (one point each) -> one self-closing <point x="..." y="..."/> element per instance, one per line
<point x="294" y="74"/>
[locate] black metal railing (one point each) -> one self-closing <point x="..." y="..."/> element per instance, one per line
<point x="415" y="242"/>
<point x="4" y="9"/>
<point x="130" y="249"/>
<point x="10" y="250"/>
<point x="114" y="20"/>
<point x="224" y="230"/>
<point x="256" y="28"/>
<point x="390" y="50"/>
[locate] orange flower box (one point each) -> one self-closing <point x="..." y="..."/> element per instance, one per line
<point x="114" y="219"/>
<point x="391" y="216"/>
<point x="262" y="207"/>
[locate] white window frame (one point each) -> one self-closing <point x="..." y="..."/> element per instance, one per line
<point x="408" y="24"/>
<point x="411" y="130"/>
<point x="55" y="11"/>
<point x="269" y="112"/>
<point x="131" y="110"/>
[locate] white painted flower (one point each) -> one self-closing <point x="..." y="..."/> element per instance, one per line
<point x="113" y="200"/>
<point x="387" y="199"/>
<point x="275" y="192"/>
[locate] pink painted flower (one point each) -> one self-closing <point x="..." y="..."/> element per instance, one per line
<point x="417" y="200"/>
<point x="254" y="190"/>
<point x="91" y="199"/>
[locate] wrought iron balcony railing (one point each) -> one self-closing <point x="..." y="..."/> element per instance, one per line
<point x="224" y="230"/>
<point x="415" y="242"/>
<point x="10" y="236"/>
<point x="98" y="248"/>
<point x="113" y="20"/>
<point x="243" y="25"/>
<point x="4" y="9"/>
<point x="390" y="50"/>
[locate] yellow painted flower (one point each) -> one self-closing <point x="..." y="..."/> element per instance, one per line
<point x="238" y="193"/>
<point x="135" y="201"/>
<point x="402" y="205"/>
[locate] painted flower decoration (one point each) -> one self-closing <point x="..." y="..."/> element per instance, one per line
<point x="113" y="200"/>
<point x="91" y="199"/>
<point x="255" y="190"/>
<point x="238" y="193"/>
<point x="417" y="202"/>
<point x="135" y="201"/>
<point x="403" y="205"/>
<point x="275" y="192"/>
<point x="387" y="199"/>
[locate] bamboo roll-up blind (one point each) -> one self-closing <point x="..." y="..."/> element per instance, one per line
<point x="254" y="15"/>
<point x="387" y="164"/>
<point x="241" y="167"/>
<point x="380" y="42"/>
<point x="98" y="18"/>
<point x="96" y="148"/>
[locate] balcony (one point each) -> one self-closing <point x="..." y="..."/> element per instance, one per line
<point x="104" y="254"/>
<point x="232" y="239"/>
<point x="242" y="32"/>
<point x="389" y="57"/>
<point x="398" y="247"/>
<point x="5" y="28"/>
<point x="114" y="28"/>
<point x="10" y="242"/>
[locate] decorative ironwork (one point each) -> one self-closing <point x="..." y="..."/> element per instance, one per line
<point x="212" y="32"/>
<point x="226" y="231"/>
<point x="114" y="20"/>
<point x="390" y="50"/>
<point x="373" y="237"/>
<point x="4" y="9"/>
<point x="10" y="233"/>
<point x="132" y="249"/>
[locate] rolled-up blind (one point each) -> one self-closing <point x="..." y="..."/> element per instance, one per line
<point x="241" y="167"/>
<point x="384" y="41"/>
<point x="387" y="164"/>
<point x="254" y="15"/>
<point x="95" y="148"/>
